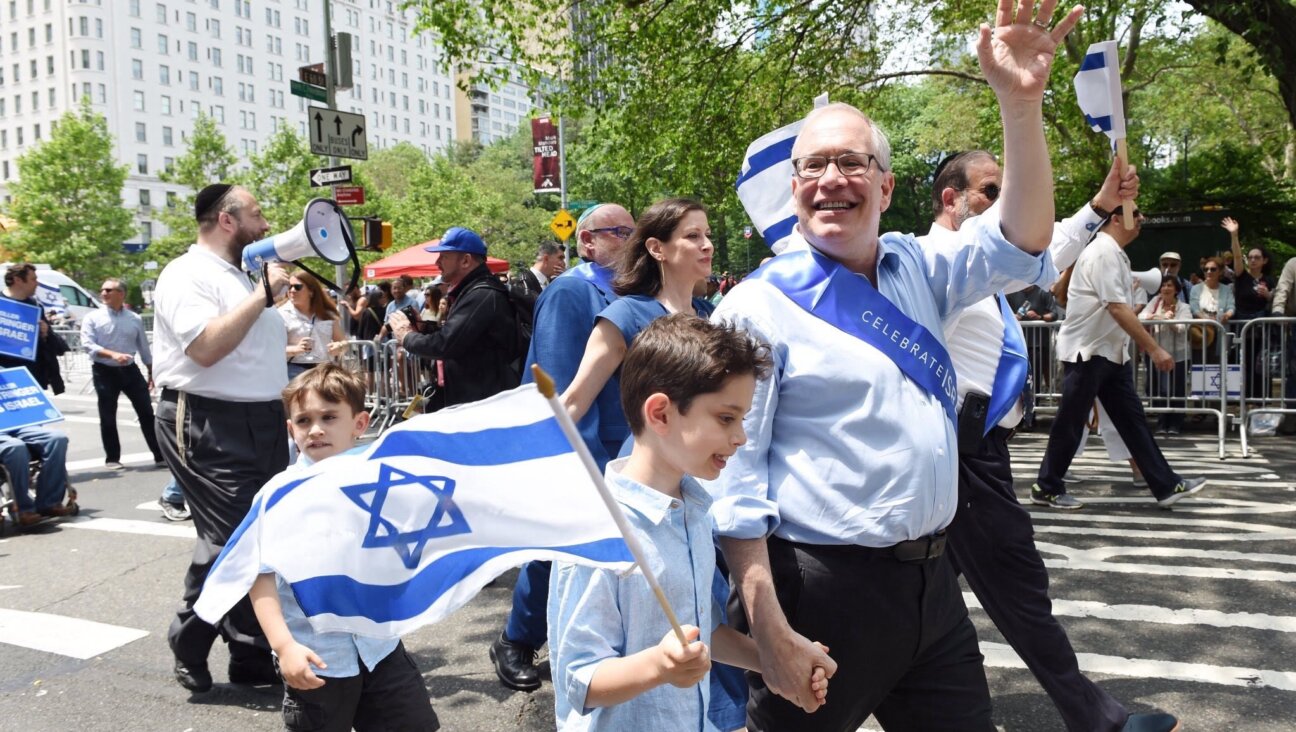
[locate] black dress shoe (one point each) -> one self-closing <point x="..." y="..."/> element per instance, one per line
<point x="515" y="664"/>
<point x="194" y="677"/>
<point x="256" y="672"/>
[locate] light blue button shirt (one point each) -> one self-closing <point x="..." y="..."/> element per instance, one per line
<point x="842" y="447"/>
<point x="596" y="614"/>
<point x="115" y="330"/>
<point x="343" y="652"/>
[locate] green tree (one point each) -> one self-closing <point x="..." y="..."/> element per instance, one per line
<point x="279" y="178"/>
<point x="207" y="159"/>
<point x="68" y="199"/>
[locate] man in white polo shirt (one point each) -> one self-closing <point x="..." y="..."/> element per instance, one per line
<point x="1093" y="345"/>
<point x="218" y="357"/>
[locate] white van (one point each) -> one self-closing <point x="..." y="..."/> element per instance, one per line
<point x="63" y="299"/>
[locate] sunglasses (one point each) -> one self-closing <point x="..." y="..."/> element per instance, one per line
<point x="990" y="191"/>
<point x="297" y="287"/>
<point x="620" y="232"/>
<point x="1211" y="269"/>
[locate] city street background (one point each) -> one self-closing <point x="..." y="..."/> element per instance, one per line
<point x="1188" y="611"/>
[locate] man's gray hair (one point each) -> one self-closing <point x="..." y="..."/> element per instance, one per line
<point x="881" y="146"/>
<point x="547" y="249"/>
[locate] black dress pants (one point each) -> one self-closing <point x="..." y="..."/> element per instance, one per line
<point x="992" y="543"/>
<point x="905" y="648"/>
<point x="110" y="382"/>
<point x="390" y="698"/>
<point x="224" y="453"/>
<point x="1113" y="383"/>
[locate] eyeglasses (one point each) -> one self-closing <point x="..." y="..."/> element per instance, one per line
<point x="620" y="232"/>
<point x="1208" y="270"/>
<point x="851" y="165"/>
<point x="990" y="191"/>
<point x="297" y="287"/>
<point x="1255" y="256"/>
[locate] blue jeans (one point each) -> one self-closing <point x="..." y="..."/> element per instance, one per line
<point x="172" y="494"/>
<point x="18" y="448"/>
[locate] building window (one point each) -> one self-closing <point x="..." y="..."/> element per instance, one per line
<point x="136" y="38"/>
<point x="191" y="22"/>
<point x="134" y="8"/>
<point x="216" y="57"/>
<point x="193" y="81"/>
<point x="138" y="104"/>
<point x="141" y="163"/>
<point x="137" y="69"/>
<point x="165" y="103"/>
<point x="218" y="86"/>
<point x="146" y="232"/>
<point x="141" y="132"/>
<point x="164" y="45"/>
<point x="166" y="136"/>
<point x="145" y="198"/>
<point x="192" y="49"/>
<point x="164" y="75"/>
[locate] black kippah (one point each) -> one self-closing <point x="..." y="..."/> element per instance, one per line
<point x="208" y="198"/>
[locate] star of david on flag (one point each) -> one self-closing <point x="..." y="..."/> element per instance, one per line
<point x="398" y="535"/>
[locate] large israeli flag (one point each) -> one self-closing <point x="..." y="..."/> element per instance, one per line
<point x="405" y="532"/>
<point x="765" y="183"/>
<point x="1098" y="90"/>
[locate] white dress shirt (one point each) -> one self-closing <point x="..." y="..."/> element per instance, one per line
<point x="192" y="290"/>
<point x="975" y="336"/>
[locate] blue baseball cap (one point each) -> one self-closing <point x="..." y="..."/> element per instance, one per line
<point x="459" y="239"/>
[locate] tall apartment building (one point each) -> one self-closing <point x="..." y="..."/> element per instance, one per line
<point x="150" y="66"/>
<point x="485" y="115"/>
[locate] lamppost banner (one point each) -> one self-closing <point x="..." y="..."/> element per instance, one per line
<point x="546" y="153"/>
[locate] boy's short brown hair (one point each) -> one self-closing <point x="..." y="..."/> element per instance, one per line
<point x="683" y="357"/>
<point x="332" y="382"/>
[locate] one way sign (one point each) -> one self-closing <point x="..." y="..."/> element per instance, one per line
<point x="341" y="134"/>
<point x="320" y="177"/>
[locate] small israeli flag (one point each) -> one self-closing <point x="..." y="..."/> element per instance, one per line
<point x="401" y="534"/>
<point x="765" y="183"/>
<point x="1098" y="90"/>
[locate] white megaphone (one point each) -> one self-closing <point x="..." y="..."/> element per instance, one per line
<point x="324" y="231"/>
<point x="1150" y="280"/>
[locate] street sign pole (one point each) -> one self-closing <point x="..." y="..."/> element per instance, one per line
<point x="562" y="165"/>
<point x="330" y="91"/>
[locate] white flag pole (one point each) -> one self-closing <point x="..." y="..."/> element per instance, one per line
<point x="546" y="385"/>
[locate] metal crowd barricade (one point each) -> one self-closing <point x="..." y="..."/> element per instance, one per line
<point x="1207" y="351"/>
<point x="1267" y="348"/>
<point x="1201" y="381"/>
<point x="76" y="360"/>
<point x="361" y="358"/>
<point x="401" y="378"/>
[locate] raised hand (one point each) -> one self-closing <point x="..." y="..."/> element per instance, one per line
<point x="1230" y="225"/>
<point x="1017" y="54"/>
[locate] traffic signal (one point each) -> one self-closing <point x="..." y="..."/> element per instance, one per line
<point x="377" y="234"/>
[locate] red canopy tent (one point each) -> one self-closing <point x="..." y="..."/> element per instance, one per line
<point x="418" y="262"/>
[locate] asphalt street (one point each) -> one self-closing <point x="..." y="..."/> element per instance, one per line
<point x="1189" y="611"/>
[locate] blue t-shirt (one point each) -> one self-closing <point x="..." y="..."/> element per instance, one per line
<point x="632" y="313"/>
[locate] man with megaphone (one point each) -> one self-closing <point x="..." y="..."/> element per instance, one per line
<point x="219" y="359"/>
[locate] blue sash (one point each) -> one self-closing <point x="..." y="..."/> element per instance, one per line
<point x="1010" y="376"/>
<point x="597" y="275"/>
<point x="848" y="302"/>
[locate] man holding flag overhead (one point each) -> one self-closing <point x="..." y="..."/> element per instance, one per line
<point x="832" y="515"/>
<point x="991" y="539"/>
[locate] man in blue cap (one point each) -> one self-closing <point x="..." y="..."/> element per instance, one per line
<point x="479" y="345"/>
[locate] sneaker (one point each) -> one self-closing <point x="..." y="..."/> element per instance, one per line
<point x="174" y="511"/>
<point x="114" y="465"/>
<point x="1181" y="491"/>
<point x="1173" y="430"/>
<point x="1070" y="477"/>
<point x="1053" y="500"/>
<point x="1139" y="481"/>
<point x="1159" y="722"/>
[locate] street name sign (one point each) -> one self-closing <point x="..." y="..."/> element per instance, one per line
<point x="307" y="91"/>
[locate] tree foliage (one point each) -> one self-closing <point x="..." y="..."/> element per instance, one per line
<point x="68" y="199"/>
<point x="207" y="159"/>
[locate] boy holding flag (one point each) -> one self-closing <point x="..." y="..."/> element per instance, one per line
<point x="367" y="683"/>
<point x="685" y="386"/>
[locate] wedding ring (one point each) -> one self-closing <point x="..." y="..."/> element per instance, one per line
<point x="1042" y="26"/>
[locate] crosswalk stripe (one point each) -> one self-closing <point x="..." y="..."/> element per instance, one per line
<point x="1163" y="615"/>
<point x="1000" y="655"/>
<point x="134" y="458"/>
<point x="63" y="635"/>
<point x="131" y="526"/>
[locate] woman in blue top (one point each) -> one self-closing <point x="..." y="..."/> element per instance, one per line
<point x="669" y="251"/>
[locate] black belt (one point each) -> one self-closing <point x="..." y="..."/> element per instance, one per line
<point x="914" y="550"/>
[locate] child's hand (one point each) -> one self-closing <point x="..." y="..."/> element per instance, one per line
<point x="683" y="666"/>
<point x="295" y="663"/>
<point x="819" y="679"/>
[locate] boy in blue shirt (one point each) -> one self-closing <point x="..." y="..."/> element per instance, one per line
<point x="335" y="681"/>
<point x="685" y="386"/>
